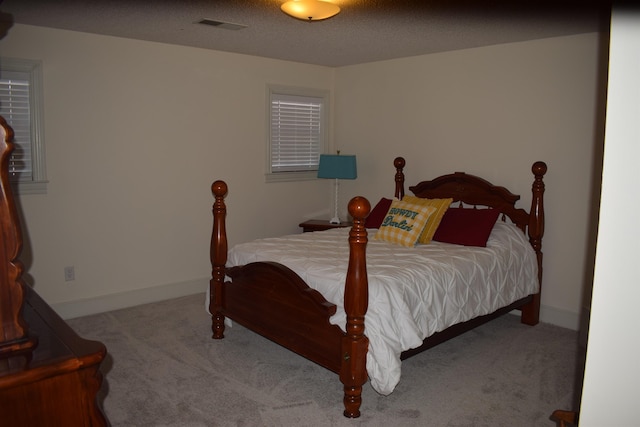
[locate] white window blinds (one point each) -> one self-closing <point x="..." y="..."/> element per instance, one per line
<point x="16" y="110"/>
<point x="297" y="132"/>
<point x="21" y="105"/>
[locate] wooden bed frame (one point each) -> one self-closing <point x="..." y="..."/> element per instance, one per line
<point x="275" y="302"/>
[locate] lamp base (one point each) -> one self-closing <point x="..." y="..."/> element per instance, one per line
<point x="334" y="220"/>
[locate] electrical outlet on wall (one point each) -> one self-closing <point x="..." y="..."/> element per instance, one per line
<point x="69" y="273"/>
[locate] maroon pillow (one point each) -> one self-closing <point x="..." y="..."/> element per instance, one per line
<point x="377" y="214"/>
<point x="468" y="227"/>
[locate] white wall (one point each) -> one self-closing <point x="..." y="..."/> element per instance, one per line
<point x="137" y="131"/>
<point x="490" y="111"/>
<point x="135" y="134"/>
<point x="611" y="375"/>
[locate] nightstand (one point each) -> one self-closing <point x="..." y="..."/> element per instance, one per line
<point x="321" y="225"/>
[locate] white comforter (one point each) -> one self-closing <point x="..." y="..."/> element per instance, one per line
<point x="413" y="292"/>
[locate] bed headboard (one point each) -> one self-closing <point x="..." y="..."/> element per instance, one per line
<point x="476" y="191"/>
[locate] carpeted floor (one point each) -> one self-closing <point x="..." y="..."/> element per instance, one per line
<point x="163" y="369"/>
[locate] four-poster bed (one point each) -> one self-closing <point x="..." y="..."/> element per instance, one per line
<point x="273" y="300"/>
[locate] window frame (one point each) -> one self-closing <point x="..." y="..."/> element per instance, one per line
<point x="324" y="96"/>
<point x="32" y="69"/>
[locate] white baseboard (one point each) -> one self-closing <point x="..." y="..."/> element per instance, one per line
<point x="88" y="306"/>
<point x="558" y="317"/>
<point x="85" y="307"/>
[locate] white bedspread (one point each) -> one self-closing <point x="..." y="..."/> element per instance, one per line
<point x="413" y="292"/>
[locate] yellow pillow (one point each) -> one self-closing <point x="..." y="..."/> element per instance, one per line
<point x="403" y="223"/>
<point x="440" y="206"/>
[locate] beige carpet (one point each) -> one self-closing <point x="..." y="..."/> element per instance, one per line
<point x="163" y="369"/>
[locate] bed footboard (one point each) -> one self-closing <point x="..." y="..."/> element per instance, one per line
<point x="273" y="301"/>
<point x="270" y="299"/>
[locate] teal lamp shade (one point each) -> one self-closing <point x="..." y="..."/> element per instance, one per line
<point x="337" y="166"/>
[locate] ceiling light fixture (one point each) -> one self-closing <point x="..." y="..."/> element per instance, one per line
<point x="310" y="10"/>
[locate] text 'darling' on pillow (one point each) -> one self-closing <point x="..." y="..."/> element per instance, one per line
<point x="377" y="213"/>
<point x="440" y="206"/>
<point x="469" y="227"/>
<point x="403" y="223"/>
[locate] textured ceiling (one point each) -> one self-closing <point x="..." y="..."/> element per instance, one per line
<point x="364" y="30"/>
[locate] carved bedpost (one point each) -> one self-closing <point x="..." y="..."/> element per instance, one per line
<point x="355" y="344"/>
<point x="218" y="259"/>
<point x="531" y="312"/>
<point x="399" y="163"/>
<point x="14" y="334"/>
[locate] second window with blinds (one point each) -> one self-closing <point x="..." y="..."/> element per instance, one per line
<point x="298" y="132"/>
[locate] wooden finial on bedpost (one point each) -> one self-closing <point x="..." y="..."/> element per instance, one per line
<point x="353" y="372"/>
<point x="399" y="163"/>
<point x="218" y="255"/>
<point x="531" y="312"/>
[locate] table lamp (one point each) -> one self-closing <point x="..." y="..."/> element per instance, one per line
<point x="335" y="166"/>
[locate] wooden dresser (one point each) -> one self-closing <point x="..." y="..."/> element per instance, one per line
<point x="49" y="376"/>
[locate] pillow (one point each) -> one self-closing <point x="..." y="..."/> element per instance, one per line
<point x="468" y="227"/>
<point x="378" y="213"/>
<point x="403" y="223"/>
<point x="440" y="205"/>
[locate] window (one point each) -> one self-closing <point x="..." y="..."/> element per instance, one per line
<point x="21" y="107"/>
<point x="297" y="133"/>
